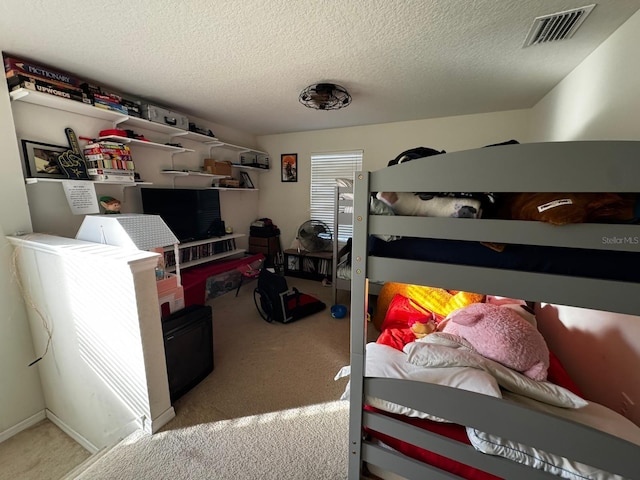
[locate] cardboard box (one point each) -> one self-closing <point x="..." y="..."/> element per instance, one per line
<point x="230" y="182"/>
<point x="216" y="167"/>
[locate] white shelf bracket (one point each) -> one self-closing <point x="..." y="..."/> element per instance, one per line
<point x="118" y="121"/>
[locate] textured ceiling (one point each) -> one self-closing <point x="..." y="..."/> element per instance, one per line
<point x="243" y="63"/>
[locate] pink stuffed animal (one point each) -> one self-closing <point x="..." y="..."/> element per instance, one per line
<point x="500" y="334"/>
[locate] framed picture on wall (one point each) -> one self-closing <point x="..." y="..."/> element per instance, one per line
<point x="289" y="166"/>
<point x="41" y="159"/>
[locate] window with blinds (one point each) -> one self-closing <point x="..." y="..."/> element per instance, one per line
<point x="325" y="168"/>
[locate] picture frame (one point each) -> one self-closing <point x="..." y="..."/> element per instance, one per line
<point x="246" y="179"/>
<point x="41" y="159"/>
<point x="289" y="167"/>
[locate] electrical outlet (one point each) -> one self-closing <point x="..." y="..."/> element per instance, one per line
<point x="626" y="404"/>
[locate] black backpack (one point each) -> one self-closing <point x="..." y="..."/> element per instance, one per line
<point x="275" y="301"/>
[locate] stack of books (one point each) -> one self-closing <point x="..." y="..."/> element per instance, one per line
<point x="40" y="78"/>
<point x="109" y="161"/>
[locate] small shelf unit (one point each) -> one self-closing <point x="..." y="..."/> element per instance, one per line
<point x="202" y="251"/>
<point x="309" y="265"/>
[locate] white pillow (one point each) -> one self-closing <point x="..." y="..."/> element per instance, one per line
<point x="546" y="392"/>
<point x="387" y="362"/>
<point x="427" y="354"/>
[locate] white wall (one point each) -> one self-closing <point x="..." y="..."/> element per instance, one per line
<point x="287" y="204"/>
<point x="20" y="393"/>
<point x="599" y="100"/>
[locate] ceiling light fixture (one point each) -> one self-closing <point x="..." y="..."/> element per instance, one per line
<point x="325" y="96"/>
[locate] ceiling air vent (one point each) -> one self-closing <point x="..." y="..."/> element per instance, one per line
<point x="557" y="26"/>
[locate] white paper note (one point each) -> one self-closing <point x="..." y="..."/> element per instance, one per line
<point x="81" y="197"/>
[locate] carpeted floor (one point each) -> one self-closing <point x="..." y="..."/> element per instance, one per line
<point x="264" y="367"/>
<point x="41" y="452"/>
<point x="297" y="444"/>
<point x="259" y="368"/>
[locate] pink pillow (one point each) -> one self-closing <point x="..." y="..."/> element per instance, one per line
<point x="502" y="335"/>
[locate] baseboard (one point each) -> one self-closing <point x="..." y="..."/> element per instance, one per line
<point x="73" y="474"/>
<point x="23" y="425"/>
<point x="71" y="432"/>
<point x="162" y="419"/>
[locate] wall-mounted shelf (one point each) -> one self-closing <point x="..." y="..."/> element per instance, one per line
<point x="151" y="126"/>
<point x="34" y="180"/>
<point x="229" y="146"/>
<point x="197" y="137"/>
<point x="64" y="104"/>
<point x="186" y="173"/>
<point x="72" y="106"/>
<point x="231" y="189"/>
<point x="142" y="143"/>
<point x="247" y="167"/>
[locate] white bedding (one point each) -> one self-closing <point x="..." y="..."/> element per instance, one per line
<point x="444" y="360"/>
<point x="593" y="414"/>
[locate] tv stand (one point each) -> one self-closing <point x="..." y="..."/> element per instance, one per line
<point x="202" y="251"/>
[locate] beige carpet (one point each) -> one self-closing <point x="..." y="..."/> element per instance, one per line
<point x="41" y="452"/>
<point x="259" y="368"/>
<point x="264" y="367"/>
<point x="308" y="443"/>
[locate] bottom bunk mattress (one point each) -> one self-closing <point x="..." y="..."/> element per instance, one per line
<point x="559" y="396"/>
<point x="601" y="264"/>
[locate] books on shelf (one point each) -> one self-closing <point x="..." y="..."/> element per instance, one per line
<point x="108" y="155"/>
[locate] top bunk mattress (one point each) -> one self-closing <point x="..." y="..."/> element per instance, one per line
<point x="575" y="262"/>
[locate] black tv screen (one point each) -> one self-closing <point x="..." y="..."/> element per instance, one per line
<point x="191" y="214"/>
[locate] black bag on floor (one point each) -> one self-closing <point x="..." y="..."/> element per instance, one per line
<point x="275" y="301"/>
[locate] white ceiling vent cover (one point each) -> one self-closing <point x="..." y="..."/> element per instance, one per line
<point x="557" y="26"/>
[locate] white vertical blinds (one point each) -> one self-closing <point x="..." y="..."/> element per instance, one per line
<point x="325" y="168"/>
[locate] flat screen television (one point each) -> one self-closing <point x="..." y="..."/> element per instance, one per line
<point x="191" y="214"/>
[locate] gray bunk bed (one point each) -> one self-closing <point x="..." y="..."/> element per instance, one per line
<point x="343" y="216"/>
<point x="584" y="166"/>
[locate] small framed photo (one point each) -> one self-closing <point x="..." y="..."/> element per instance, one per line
<point x="289" y="164"/>
<point x="41" y="159"/>
<point x="246" y="179"/>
